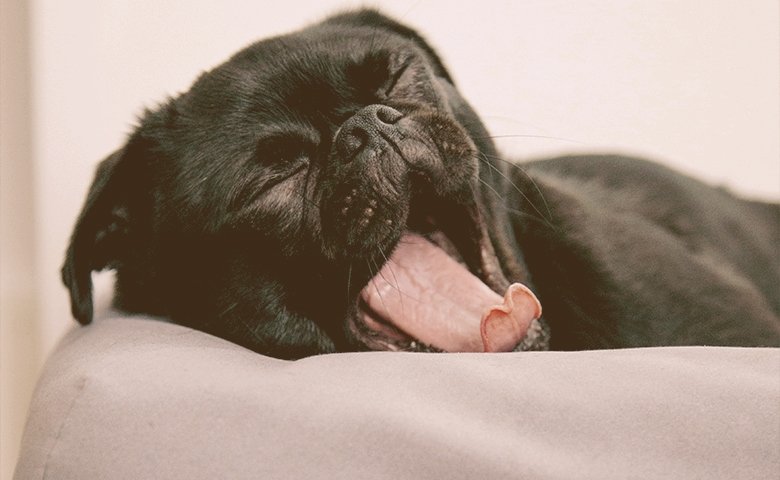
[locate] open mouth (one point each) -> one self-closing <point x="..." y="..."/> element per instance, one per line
<point x="442" y="289"/>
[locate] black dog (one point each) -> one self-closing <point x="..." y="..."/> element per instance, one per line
<point x="330" y="190"/>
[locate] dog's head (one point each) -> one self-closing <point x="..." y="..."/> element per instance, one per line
<point x="301" y="197"/>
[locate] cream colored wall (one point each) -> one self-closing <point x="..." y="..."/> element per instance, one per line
<point x="693" y="84"/>
<point x="20" y="352"/>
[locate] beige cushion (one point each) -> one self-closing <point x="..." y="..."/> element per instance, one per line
<point x="134" y="398"/>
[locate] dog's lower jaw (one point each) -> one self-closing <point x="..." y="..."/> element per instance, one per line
<point x="380" y="321"/>
<point x="502" y="261"/>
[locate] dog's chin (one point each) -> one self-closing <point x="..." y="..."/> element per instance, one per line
<point x="443" y="290"/>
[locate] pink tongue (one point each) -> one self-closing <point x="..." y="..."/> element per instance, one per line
<point x="426" y="294"/>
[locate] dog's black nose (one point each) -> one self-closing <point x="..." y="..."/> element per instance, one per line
<point x="371" y="126"/>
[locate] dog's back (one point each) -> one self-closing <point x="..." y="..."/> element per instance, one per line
<point x="631" y="252"/>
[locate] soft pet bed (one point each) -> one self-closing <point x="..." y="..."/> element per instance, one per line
<point x="135" y="398"/>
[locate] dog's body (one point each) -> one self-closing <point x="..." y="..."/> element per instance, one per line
<point x="638" y="255"/>
<point x="270" y="204"/>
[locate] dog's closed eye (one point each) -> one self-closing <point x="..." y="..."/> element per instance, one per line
<point x="399" y="65"/>
<point x="283" y="151"/>
<point x="275" y="160"/>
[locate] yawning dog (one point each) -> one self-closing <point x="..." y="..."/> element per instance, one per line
<point x="330" y="190"/>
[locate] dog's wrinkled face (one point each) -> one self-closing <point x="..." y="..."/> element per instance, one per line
<point x="302" y="197"/>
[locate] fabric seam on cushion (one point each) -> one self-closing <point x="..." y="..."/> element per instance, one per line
<point x="79" y="393"/>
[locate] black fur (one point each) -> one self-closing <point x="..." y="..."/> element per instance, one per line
<point x="241" y="208"/>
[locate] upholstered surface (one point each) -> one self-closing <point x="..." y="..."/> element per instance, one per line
<point x="135" y="398"/>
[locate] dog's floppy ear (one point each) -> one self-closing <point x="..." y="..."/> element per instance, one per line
<point x="372" y="18"/>
<point x="102" y="226"/>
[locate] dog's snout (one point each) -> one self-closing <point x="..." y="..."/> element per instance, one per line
<point x="372" y="125"/>
<point x="366" y="199"/>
